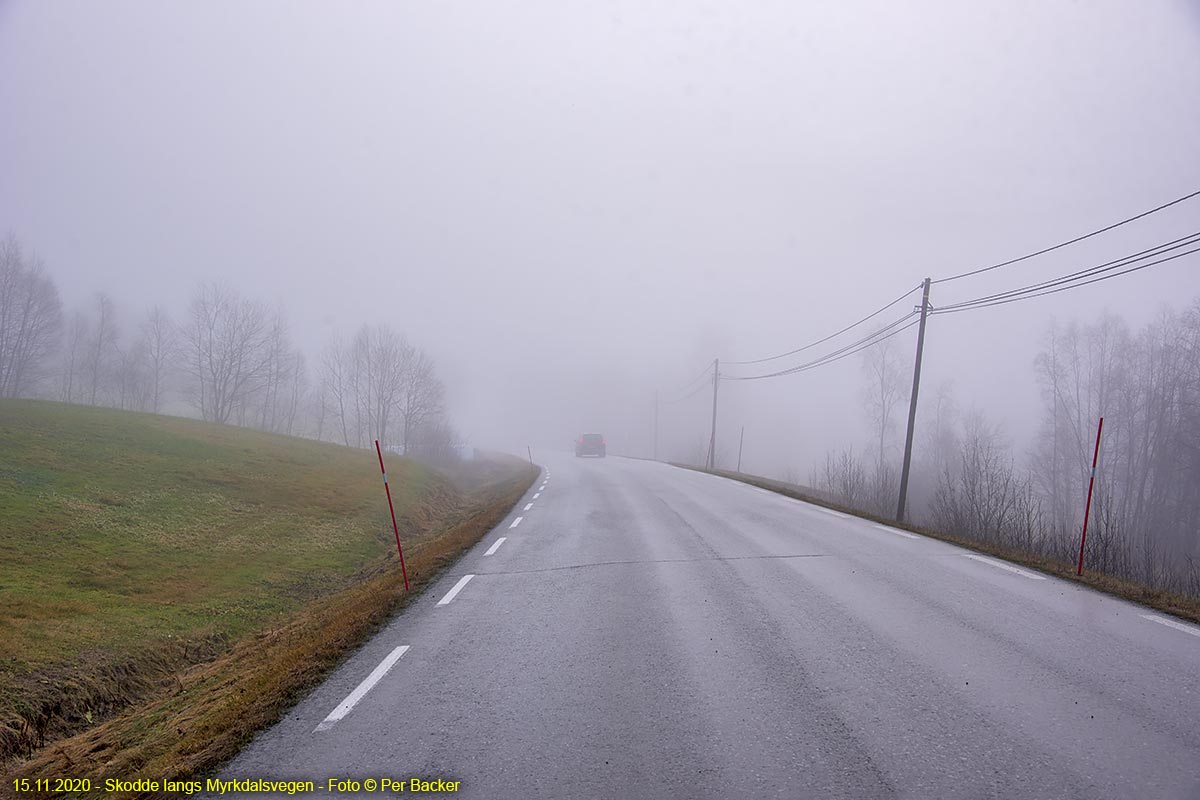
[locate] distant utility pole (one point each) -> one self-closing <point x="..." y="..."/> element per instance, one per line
<point x="912" y="406"/>
<point x="712" y="441"/>
<point x="656" y="425"/>
<point x="741" y="439"/>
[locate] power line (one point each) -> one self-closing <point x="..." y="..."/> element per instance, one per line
<point x="1064" y="288"/>
<point x="1150" y="252"/>
<point x="830" y="336"/>
<point x="687" y="396"/>
<point x="1071" y="241"/>
<point x="873" y="338"/>
<point x="699" y="387"/>
<point x="1076" y="279"/>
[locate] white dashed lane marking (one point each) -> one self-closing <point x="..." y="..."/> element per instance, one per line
<point x="516" y="522"/>
<point x="458" y="587"/>
<point x="361" y="690"/>
<point x="496" y="546"/>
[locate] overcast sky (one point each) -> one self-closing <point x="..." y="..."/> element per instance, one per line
<point x="573" y="204"/>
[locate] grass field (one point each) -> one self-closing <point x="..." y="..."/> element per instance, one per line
<point x="135" y="546"/>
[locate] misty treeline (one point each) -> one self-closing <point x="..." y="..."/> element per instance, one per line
<point x="968" y="479"/>
<point x="230" y="359"/>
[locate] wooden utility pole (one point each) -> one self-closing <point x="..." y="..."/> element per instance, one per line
<point x="741" y="439"/>
<point x="912" y="406"/>
<point x="712" y="441"/>
<point x="656" y="425"/>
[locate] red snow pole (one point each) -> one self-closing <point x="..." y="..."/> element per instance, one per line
<point x="1088" y="508"/>
<point x="403" y="570"/>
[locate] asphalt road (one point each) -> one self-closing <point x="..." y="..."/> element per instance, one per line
<point x="646" y="631"/>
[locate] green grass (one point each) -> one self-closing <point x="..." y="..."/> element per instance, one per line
<point x="126" y="537"/>
<point x="212" y="709"/>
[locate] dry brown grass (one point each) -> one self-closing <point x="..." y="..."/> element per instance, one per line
<point x="1185" y="608"/>
<point x="207" y="713"/>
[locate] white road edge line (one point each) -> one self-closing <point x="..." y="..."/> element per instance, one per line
<point x="516" y="522"/>
<point x="905" y="534"/>
<point x="1170" y="623"/>
<point x="361" y="690"/>
<point x="458" y="587"/>
<point x="1001" y="565"/>
<point x="528" y="506"/>
<point x="831" y="513"/>
<point x="496" y="546"/>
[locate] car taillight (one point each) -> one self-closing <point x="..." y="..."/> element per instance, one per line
<point x="603" y="442"/>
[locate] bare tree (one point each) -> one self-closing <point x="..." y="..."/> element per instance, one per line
<point x="437" y="443"/>
<point x="227" y="342"/>
<point x="986" y="498"/>
<point x="937" y="449"/>
<point x="379" y="376"/>
<point x="101" y="353"/>
<point x="882" y="394"/>
<point x="843" y="478"/>
<point x="336" y="390"/>
<point x="78" y="334"/>
<point x="30" y="320"/>
<point x="422" y="395"/>
<point x="132" y="377"/>
<point x="381" y="357"/>
<point x="277" y="397"/>
<point x="161" y="352"/>
<point x="293" y="393"/>
<point x="884" y="390"/>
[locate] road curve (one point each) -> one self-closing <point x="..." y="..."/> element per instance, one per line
<point x="646" y="631"/>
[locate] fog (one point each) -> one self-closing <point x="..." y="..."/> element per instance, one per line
<point x="573" y="206"/>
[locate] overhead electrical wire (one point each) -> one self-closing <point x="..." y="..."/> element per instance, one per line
<point x="1095" y="274"/>
<point x="830" y="336"/>
<point x="1070" y="241"/>
<point x="871" y="339"/>
<point x="1065" y="288"/>
<point x="685" y="394"/>
<point x="1081" y="277"/>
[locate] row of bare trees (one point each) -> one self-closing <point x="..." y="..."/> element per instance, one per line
<point x="1146" y="385"/>
<point x="30" y="320"/>
<point x="99" y="366"/>
<point x="238" y="362"/>
<point x="230" y="360"/>
<point x="1145" y="523"/>
<point x="379" y="386"/>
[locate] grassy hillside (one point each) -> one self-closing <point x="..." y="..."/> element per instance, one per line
<point x="133" y="544"/>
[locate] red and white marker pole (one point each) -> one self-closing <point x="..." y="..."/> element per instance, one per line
<point x="1087" y="510"/>
<point x="387" y="489"/>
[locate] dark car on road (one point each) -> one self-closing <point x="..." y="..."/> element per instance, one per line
<point x="590" y="444"/>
